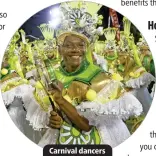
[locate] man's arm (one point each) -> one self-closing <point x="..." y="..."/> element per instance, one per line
<point x="71" y="112"/>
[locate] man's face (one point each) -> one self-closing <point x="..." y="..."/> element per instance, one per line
<point x="73" y="50"/>
<point x="109" y="53"/>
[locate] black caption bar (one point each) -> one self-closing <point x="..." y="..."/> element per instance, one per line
<point x="77" y="150"/>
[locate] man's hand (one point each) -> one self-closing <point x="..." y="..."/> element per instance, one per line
<point x="55" y="121"/>
<point x="56" y="91"/>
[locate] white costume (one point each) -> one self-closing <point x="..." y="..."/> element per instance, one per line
<point x="14" y="99"/>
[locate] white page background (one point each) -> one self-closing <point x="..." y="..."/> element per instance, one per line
<point x="12" y="141"/>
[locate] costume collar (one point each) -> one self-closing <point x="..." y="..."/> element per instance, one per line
<point x="85" y="74"/>
<point x="82" y="67"/>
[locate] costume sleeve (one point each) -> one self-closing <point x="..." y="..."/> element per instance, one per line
<point x="36" y="114"/>
<point x="143" y="80"/>
<point x="38" y="109"/>
<point x="109" y="103"/>
<point x="15" y="87"/>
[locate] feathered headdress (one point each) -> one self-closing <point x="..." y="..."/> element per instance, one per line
<point x="78" y="21"/>
<point x="110" y="43"/>
<point x="126" y="38"/>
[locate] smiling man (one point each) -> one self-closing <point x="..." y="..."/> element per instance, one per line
<point x="89" y="104"/>
<point x="85" y="86"/>
<point x="72" y="51"/>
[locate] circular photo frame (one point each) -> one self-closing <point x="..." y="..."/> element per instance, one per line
<point x="78" y="73"/>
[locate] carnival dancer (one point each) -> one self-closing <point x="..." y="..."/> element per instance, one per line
<point x="86" y="105"/>
<point x="16" y="91"/>
<point x="124" y="64"/>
